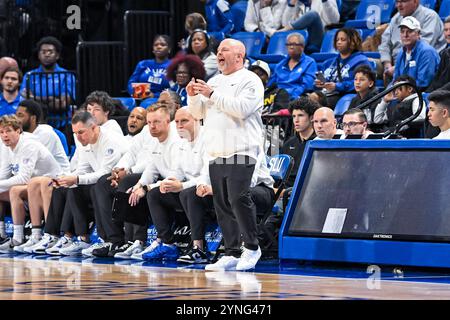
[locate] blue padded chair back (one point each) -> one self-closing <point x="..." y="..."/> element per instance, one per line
<point x="430" y="4"/>
<point x="343" y="104"/>
<point x="280" y="166"/>
<point x="218" y="35"/>
<point x="444" y="10"/>
<point x="253" y="41"/>
<point x="277" y="43"/>
<point x="238" y="10"/>
<point x="128" y="102"/>
<point x="381" y="8"/>
<point x="148" y="102"/>
<point x="63" y="139"/>
<point x="327" y="42"/>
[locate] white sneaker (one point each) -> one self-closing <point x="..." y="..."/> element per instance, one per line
<point x="135" y="248"/>
<point x="226" y="263"/>
<point x="31" y="242"/>
<point x="8" y="245"/>
<point x="75" y="248"/>
<point x="46" y="242"/>
<point x="248" y="259"/>
<point x="62" y="243"/>
<point x="88" y="250"/>
<point x="150" y="248"/>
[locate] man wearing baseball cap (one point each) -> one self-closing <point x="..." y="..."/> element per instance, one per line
<point x="417" y="58"/>
<point x="275" y="98"/>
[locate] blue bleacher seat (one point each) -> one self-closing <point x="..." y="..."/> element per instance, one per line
<point x="128" y="102"/>
<point x="276" y="50"/>
<point x="148" y="102"/>
<point x="327" y="50"/>
<point x="253" y="41"/>
<point x="372" y="12"/>
<point x="343" y="104"/>
<point x="238" y="10"/>
<point x="430" y="4"/>
<point x="63" y="139"/>
<point x="444" y="10"/>
<point x="219" y="36"/>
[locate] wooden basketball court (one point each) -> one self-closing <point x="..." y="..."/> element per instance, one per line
<point x="32" y="278"/>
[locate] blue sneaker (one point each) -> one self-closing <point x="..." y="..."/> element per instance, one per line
<point x="163" y="251"/>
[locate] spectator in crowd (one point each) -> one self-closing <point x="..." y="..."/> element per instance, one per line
<point x="296" y="72"/>
<point x="417" y="58"/>
<point x="199" y="43"/>
<point x="152" y="72"/>
<point x="302" y="111"/>
<point x="10" y="80"/>
<point x="219" y="16"/>
<point x="136" y="121"/>
<point x="365" y="89"/>
<point x="46" y="84"/>
<point x="442" y="75"/>
<point x="439" y="112"/>
<point x="264" y="16"/>
<point x="275" y="99"/>
<point x="6" y="63"/>
<point x="29" y="113"/>
<point x="101" y="150"/>
<point x="192" y="22"/>
<point x="406" y="104"/>
<point x="354" y="121"/>
<point x="161" y="170"/>
<point x="230" y="105"/>
<point x="338" y="72"/>
<point x="181" y="70"/>
<point x="432" y="31"/>
<point x="324" y="124"/>
<point x="22" y="159"/>
<point x="313" y="16"/>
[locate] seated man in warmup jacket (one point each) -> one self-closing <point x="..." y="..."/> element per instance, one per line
<point x="101" y="150"/>
<point x="163" y="163"/>
<point x="23" y="158"/>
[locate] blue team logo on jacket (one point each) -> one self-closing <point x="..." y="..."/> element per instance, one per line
<point x="14" y="168"/>
<point x="109" y="152"/>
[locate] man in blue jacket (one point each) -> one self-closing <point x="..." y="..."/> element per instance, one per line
<point x="295" y="73"/>
<point x="218" y="16"/>
<point x="417" y="58"/>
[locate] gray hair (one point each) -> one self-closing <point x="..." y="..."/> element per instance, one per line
<point x="447" y="20"/>
<point x="298" y="35"/>
<point x="85" y="118"/>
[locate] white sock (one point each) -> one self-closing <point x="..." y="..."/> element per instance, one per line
<point x="2" y="229"/>
<point x="36" y="233"/>
<point x="18" y="232"/>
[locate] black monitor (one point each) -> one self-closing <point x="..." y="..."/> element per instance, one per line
<point x="374" y="193"/>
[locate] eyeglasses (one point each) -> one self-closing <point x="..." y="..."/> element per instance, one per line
<point x="181" y="72"/>
<point x="288" y="44"/>
<point x="349" y="124"/>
